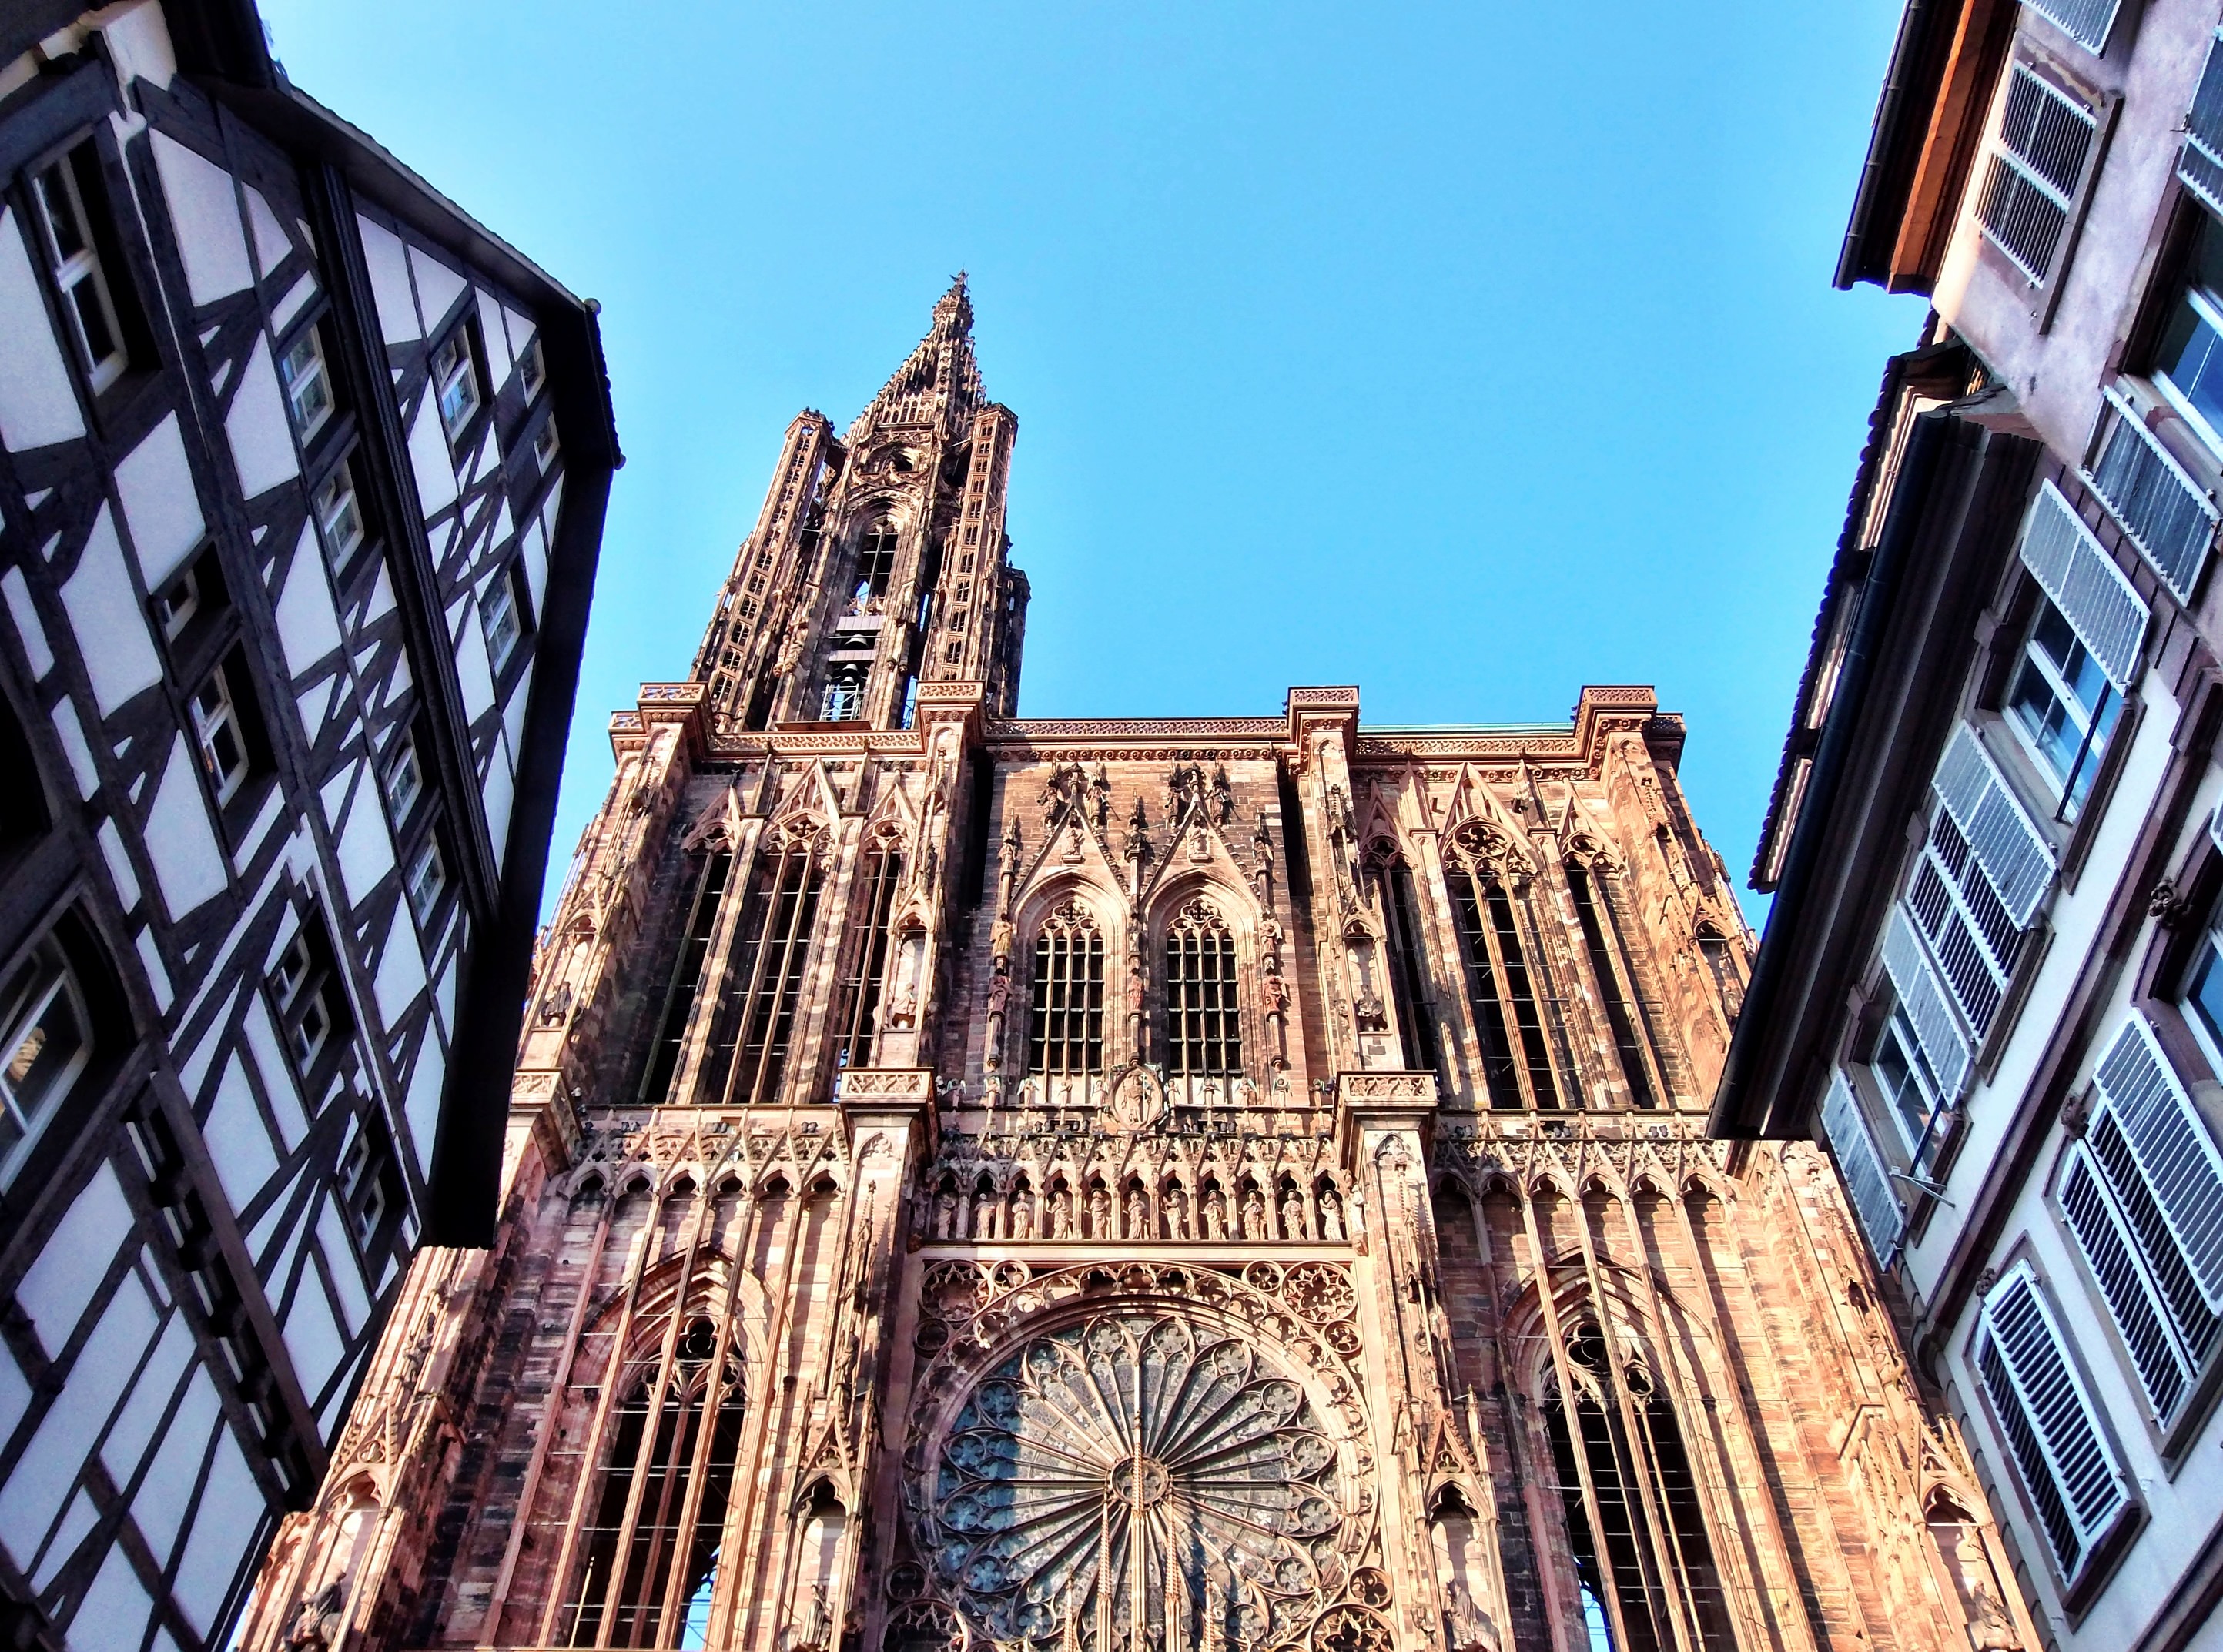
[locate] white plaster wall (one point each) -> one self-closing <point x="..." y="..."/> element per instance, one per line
<point x="161" y="507"/>
<point x="38" y="406"/>
<point x="204" y="212"/>
<point x="189" y="867"/>
<point x="102" y="604"/>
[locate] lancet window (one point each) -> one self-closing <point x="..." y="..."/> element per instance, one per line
<point x="686" y="978"/>
<point x="1645" y="1573"/>
<point x="1620" y="1016"/>
<point x="649" y="1555"/>
<point x="1065" y="1031"/>
<point x="1408" y="968"/>
<point x="765" y="979"/>
<point x="1204" y="1018"/>
<point x="865" y="954"/>
<point x="1516" y="1060"/>
<point x="876" y="564"/>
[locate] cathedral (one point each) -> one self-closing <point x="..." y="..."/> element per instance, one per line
<point x="1206" y="1185"/>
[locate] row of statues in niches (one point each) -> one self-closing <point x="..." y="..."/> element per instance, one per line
<point x="1243" y="1211"/>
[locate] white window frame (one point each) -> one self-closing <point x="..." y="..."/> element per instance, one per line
<point x="501" y="618"/>
<point x="42" y="977"/>
<point x="427" y="879"/>
<point x="404" y="765"/>
<point x="533" y="369"/>
<point x="79" y="276"/>
<point x="362" y="1187"/>
<point x="546" y="444"/>
<point x="1898" y="1027"/>
<point x="339" y="515"/>
<point x="2092" y="742"/>
<point x="2208" y="310"/>
<point x="296" y="978"/>
<point x="210" y="724"/>
<point x="307" y="381"/>
<point x="177" y="602"/>
<point x="456" y="375"/>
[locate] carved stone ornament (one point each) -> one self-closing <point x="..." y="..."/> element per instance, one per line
<point x="1207" y="1492"/>
<point x="1138" y="1099"/>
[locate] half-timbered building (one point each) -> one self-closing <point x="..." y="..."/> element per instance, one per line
<point x="302" y="475"/>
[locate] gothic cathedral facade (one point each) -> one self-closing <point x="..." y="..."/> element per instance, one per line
<point x="1190" y="1185"/>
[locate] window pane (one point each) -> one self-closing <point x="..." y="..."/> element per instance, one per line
<point x="2189" y="359"/>
<point x="44" y="1048"/>
<point x="65" y="233"/>
<point x="2203" y="993"/>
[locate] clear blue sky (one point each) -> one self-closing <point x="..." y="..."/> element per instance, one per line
<point x="1466" y="352"/>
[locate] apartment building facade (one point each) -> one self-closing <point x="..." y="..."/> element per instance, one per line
<point x="302" y="477"/>
<point x="1989" y="979"/>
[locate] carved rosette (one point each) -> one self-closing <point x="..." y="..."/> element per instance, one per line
<point x="1096" y="1442"/>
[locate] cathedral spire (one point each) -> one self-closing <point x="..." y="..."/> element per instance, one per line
<point x="938" y="386"/>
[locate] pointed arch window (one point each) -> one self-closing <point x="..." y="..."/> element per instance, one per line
<point x="1644" y="1566"/>
<point x="1605" y="966"/>
<point x="1408" y="968"/>
<point x="1516" y="1061"/>
<point x="1066" y="1028"/>
<point x="865" y="953"/>
<point x="686" y="977"/>
<point x="1204" y="1018"/>
<point x="876" y="564"/>
<point x="650" y="1556"/>
<point x="765" y="980"/>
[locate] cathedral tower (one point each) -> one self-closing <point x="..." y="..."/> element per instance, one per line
<point x="1186" y="1185"/>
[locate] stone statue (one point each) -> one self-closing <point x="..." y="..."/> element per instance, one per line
<point x="1293" y="1216"/>
<point x="1215" y="1215"/>
<point x="1138" y="1214"/>
<point x="1099" y="1214"/>
<point x="317" y="1626"/>
<point x="1254" y="1215"/>
<point x="1990" y="1629"/>
<point x="1176" y="1212"/>
<point x="981" y="1208"/>
<point x="1023" y="1215"/>
<point x="945" y="1215"/>
<point x="1466" y="1626"/>
<point x="1331" y="1216"/>
<point x="555" y="1008"/>
<point x="1060" y="1214"/>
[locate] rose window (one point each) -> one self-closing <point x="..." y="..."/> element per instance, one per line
<point x="1138" y="1470"/>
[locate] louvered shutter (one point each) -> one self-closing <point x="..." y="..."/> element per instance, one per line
<point x="2099" y="602"/>
<point x="2089" y="22"/>
<point x="2049" y="1420"/>
<point x="2201" y="162"/>
<point x="2013" y="852"/>
<point x="2111" y="1249"/>
<point x="1867" y="1182"/>
<point x="2166" y="513"/>
<point x="2173" y="1149"/>
<point x="2045" y="139"/>
<point x="1914" y="978"/>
